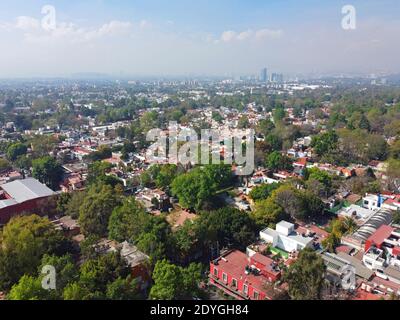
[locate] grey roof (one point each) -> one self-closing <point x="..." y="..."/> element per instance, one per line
<point x="285" y="224"/>
<point x="132" y="254"/>
<point x="27" y="189"/>
<point x="334" y="264"/>
<point x="361" y="270"/>
<point x="393" y="272"/>
<point x="7" y="203"/>
<point x="383" y="216"/>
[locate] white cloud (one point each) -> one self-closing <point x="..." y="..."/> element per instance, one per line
<point x="144" y="24"/>
<point x="245" y="35"/>
<point x="114" y="28"/>
<point x="27" y="23"/>
<point x="268" y="33"/>
<point x="70" y="31"/>
<point x="229" y="36"/>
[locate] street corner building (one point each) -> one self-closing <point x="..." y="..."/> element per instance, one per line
<point x="22" y="196"/>
<point x="243" y="276"/>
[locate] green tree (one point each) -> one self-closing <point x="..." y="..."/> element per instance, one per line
<point x="305" y="277"/>
<point x="96" y="209"/>
<point x="338" y="228"/>
<point x="274" y="141"/>
<point x="364" y="123"/>
<point x="228" y="226"/>
<point x="128" y="221"/>
<point x="263" y="191"/>
<point x="220" y="175"/>
<point x="96" y="274"/>
<point x="166" y="176"/>
<point x="24" y="240"/>
<point x="393" y="172"/>
<point x="312" y="205"/>
<point x="102" y="153"/>
<point x="191" y="278"/>
<point x="331" y="242"/>
<point x="186" y="241"/>
<point x="75" y="291"/>
<point x="42" y="145"/>
<point x="16" y="150"/>
<point x="193" y="188"/>
<point x="216" y="116"/>
<point x="73" y="205"/>
<point x="97" y="173"/>
<point x="279" y="114"/>
<point x="349" y="225"/>
<point x="395" y="150"/>
<point x="48" y="171"/>
<point x="151" y="244"/>
<point x="325" y="143"/>
<point x="377" y="147"/>
<point x="268" y="213"/>
<point x="123" y="289"/>
<point x="276" y="161"/>
<point x="318" y="181"/>
<point x="66" y="271"/>
<point x="243" y="122"/>
<point x="172" y="282"/>
<point x="167" y="281"/>
<point x="4" y="165"/>
<point x="28" y="288"/>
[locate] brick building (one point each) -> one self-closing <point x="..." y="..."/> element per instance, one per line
<point x="22" y="196"/>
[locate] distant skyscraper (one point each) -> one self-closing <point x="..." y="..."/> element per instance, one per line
<point x="264" y="75"/>
<point x="277" y="77"/>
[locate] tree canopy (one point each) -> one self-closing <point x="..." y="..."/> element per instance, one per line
<point x="305" y="277"/>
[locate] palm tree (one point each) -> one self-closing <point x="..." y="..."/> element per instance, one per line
<point x="349" y="225"/>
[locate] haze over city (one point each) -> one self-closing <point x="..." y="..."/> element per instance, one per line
<point x="210" y="38"/>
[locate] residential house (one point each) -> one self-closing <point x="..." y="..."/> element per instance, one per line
<point x="244" y="277"/>
<point x="286" y="238"/>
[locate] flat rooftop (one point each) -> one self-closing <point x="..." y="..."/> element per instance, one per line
<point x="293" y="236"/>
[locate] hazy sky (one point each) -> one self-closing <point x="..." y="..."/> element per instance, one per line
<point x="203" y="37"/>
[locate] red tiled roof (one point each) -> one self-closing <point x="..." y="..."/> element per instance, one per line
<point x="235" y="263"/>
<point x="264" y="262"/>
<point x="363" y="295"/>
<point x="344" y="249"/>
<point x="81" y="150"/>
<point x="380" y="235"/>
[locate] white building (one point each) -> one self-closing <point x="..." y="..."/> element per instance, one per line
<point x="373" y="259"/>
<point x="356" y="212"/>
<point x="372" y="202"/>
<point x="286" y="238"/>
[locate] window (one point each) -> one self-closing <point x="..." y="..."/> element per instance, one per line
<point x="216" y="272"/>
<point x="245" y="289"/>
<point x="256" y="295"/>
<point x="234" y="283"/>
<point x="224" y="277"/>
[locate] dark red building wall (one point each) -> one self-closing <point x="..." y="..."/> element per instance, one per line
<point x="240" y="283"/>
<point x="26" y="207"/>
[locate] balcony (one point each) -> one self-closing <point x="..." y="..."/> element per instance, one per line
<point x="229" y="289"/>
